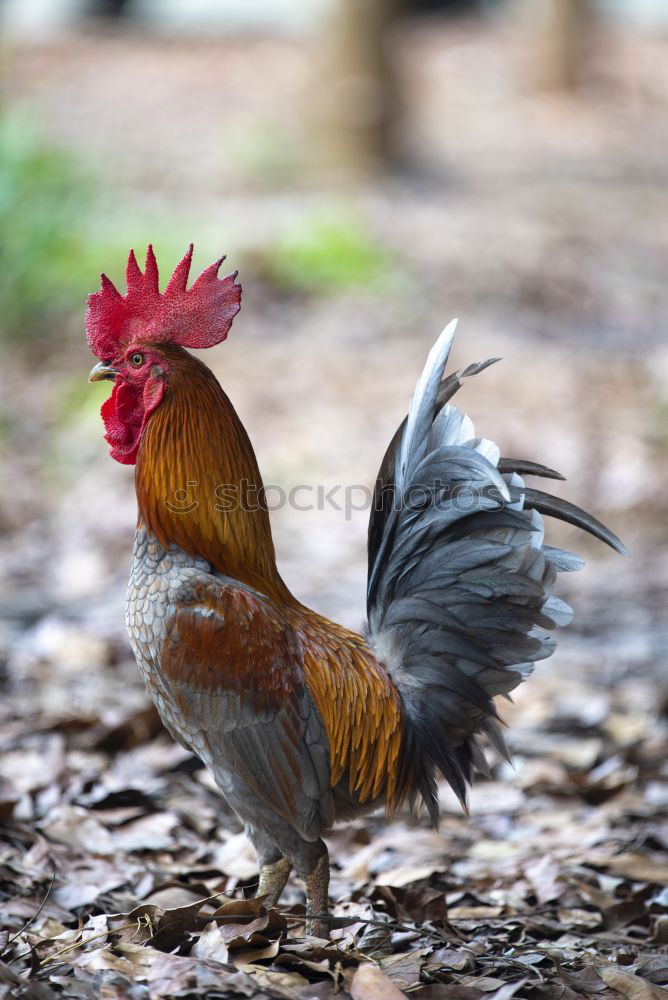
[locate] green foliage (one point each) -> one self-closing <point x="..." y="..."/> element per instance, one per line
<point x="44" y="197"/>
<point x="328" y="255"/>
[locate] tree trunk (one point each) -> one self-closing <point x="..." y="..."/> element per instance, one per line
<point x="356" y="93"/>
<point x="559" y="35"/>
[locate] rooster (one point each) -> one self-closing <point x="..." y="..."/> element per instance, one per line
<point x="300" y="721"/>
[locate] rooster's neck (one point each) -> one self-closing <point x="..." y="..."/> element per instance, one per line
<point x="198" y="483"/>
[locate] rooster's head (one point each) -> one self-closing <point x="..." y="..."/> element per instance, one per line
<point x="130" y="335"/>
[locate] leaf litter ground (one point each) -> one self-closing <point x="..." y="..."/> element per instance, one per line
<point x="122" y="874"/>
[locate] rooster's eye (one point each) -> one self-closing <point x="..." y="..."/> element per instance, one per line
<point x="136" y="359"/>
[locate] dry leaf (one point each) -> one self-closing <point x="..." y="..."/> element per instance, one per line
<point x="576" y="917"/>
<point x="210" y="945"/>
<point x="544" y="876"/>
<point x="370" y="983"/>
<point x="640" y="868"/>
<point x="631" y="986"/>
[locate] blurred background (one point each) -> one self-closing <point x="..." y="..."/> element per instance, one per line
<point x="372" y="168"/>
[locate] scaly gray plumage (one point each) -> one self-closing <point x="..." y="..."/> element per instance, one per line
<point x="245" y="749"/>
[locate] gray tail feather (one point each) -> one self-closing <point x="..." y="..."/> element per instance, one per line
<point x="569" y="512"/>
<point x="459" y="596"/>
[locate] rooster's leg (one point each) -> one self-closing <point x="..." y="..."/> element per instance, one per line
<point x="317" y="906"/>
<point x="272" y="880"/>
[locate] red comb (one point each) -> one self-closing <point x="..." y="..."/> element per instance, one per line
<point x="197" y="317"/>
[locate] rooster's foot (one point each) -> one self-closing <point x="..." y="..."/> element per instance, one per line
<point x="272" y="880"/>
<point x="317" y="884"/>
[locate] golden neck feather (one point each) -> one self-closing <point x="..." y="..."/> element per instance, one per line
<point x="197" y="480"/>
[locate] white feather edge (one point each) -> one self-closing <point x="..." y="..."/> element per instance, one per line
<point x="429" y="379"/>
<point x="461" y="427"/>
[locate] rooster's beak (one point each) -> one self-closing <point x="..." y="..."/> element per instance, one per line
<point x="102" y="370"/>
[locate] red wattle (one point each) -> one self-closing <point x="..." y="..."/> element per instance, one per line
<point x="125" y="414"/>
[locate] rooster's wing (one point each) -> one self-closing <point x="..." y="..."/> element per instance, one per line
<point x="234" y="664"/>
